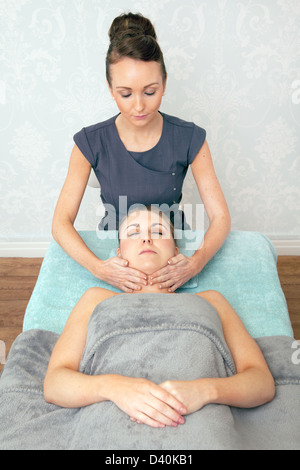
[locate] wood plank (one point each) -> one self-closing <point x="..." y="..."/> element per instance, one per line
<point x="20" y="267"/>
<point x="12" y="312"/>
<point x="289" y="270"/>
<point x="289" y="265"/>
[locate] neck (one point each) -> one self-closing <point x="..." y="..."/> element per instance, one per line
<point x="153" y="126"/>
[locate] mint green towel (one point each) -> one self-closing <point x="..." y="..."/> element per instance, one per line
<point x="244" y="271"/>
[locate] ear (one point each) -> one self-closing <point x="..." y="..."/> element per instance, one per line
<point x="176" y="250"/>
<point x="119" y="253"/>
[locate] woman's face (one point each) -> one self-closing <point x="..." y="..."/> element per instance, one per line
<point x="137" y="88"/>
<point x="146" y="241"/>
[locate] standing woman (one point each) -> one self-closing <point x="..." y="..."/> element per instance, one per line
<point x="142" y="154"/>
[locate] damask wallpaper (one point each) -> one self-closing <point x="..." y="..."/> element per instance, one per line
<point x="233" y="68"/>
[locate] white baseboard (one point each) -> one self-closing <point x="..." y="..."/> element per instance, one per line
<point x="23" y="249"/>
<point x="39" y="249"/>
<point x="287" y="247"/>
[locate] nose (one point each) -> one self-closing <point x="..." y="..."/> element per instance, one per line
<point x="147" y="240"/>
<point x="139" y="104"/>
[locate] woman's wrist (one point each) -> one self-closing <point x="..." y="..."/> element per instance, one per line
<point x="208" y="391"/>
<point x="106" y="386"/>
<point x="198" y="261"/>
<point x="97" y="268"/>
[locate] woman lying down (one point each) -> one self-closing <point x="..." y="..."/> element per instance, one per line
<point x="147" y="242"/>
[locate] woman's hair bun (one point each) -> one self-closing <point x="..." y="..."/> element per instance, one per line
<point x="133" y="35"/>
<point x="132" y="25"/>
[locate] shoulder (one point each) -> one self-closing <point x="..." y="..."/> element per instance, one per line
<point x="95" y="295"/>
<point x="96" y="128"/>
<point x="227" y="314"/>
<point x="86" y="305"/>
<point x="175" y="121"/>
<point x="217" y="300"/>
<point x="89" y="139"/>
<point x="180" y="123"/>
<point x="212" y="296"/>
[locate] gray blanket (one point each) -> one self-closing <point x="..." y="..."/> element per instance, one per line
<point x="158" y="337"/>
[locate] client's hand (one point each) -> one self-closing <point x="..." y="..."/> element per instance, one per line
<point x="115" y="271"/>
<point x="179" y="270"/>
<point x="146" y="402"/>
<point x="193" y="393"/>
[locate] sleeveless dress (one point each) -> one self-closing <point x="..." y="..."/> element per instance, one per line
<point x="152" y="177"/>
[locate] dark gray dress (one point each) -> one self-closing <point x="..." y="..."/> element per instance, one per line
<point x="152" y="177"/>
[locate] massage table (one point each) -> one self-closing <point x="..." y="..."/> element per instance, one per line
<point x="126" y="335"/>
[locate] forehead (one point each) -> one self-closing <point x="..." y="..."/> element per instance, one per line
<point x="138" y="217"/>
<point x="128" y="72"/>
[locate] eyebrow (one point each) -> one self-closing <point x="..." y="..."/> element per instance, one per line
<point x="152" y="225"/>
<point x="128" y="88"/>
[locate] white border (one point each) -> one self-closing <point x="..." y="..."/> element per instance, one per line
<point x="39" y="249"/>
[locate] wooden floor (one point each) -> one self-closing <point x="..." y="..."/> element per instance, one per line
<point x="18" y="277"/>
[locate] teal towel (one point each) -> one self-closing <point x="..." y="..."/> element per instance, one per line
<point x="244" y="271"/>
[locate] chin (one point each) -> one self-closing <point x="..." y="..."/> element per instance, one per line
<point x="149" y="267"/>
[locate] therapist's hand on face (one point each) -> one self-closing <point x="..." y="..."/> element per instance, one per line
<point x="115" y="271"/>
<point x="179" y="270"/>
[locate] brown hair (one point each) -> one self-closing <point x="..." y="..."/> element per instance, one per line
<point x="133" y="35"/>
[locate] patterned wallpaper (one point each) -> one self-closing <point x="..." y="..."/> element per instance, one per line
<point x="234" y="69"/>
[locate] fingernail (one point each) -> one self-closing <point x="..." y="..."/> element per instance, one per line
<point x="180" y="421"/>
<point x="174" y="425"/>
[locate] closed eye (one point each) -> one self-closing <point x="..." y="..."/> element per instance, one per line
<point x="131" y="235"/>
<point x="147" y="94"/>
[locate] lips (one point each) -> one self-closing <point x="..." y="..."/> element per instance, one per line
<point x="148" y="251"/>
<point x="141" y="117"/>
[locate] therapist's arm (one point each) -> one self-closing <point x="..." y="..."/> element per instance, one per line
<point x="66" y="211"/>
<point x="215" y="206"/>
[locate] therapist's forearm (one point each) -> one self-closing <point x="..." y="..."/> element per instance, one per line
<point x="214" y="238"/>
